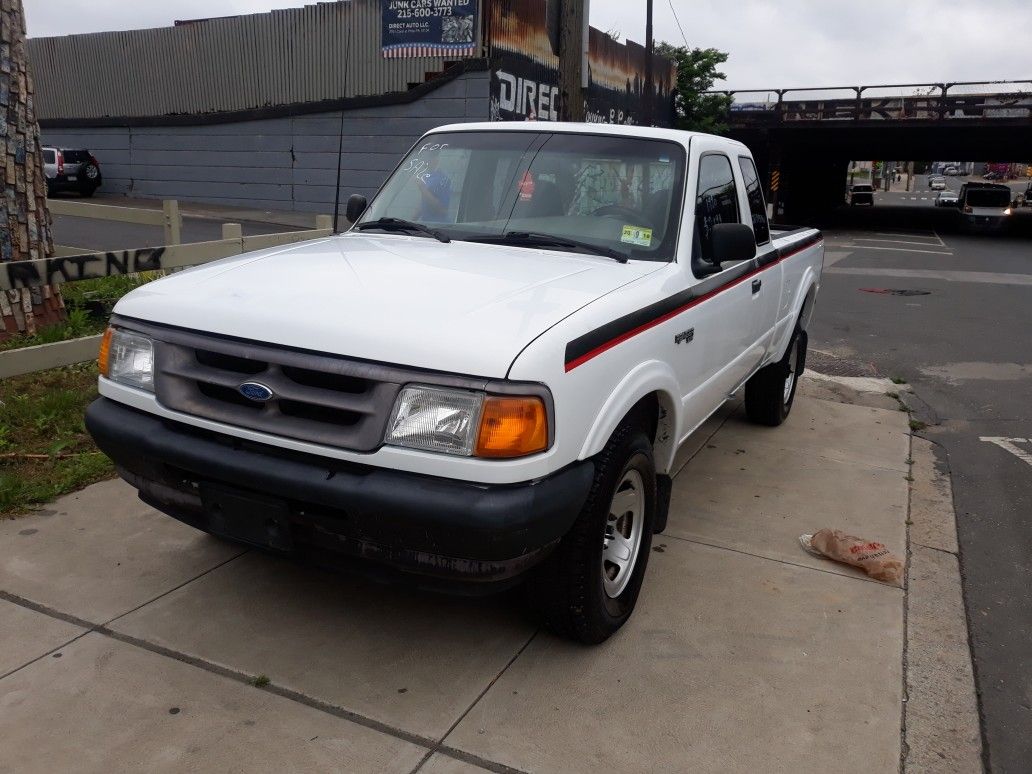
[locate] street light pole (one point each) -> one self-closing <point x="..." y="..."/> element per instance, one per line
<point x="647" y="119"/>
<point x="572" y="23"/>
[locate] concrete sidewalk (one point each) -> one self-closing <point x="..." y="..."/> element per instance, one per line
<point x="131" y="642"/>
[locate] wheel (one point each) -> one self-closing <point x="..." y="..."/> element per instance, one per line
<point x="587" y="588"/>
<point x="90" y="174"/>
<point x="771" y="390"/>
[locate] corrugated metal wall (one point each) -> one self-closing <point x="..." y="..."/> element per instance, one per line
<point x="235" y="63"/>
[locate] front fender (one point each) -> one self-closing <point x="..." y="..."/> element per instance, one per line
<point x="650" y="377"/>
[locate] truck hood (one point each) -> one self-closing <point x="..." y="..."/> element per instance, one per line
<point x="459" y="307"/>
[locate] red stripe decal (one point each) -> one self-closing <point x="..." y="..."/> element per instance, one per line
<point x="679" y="310"/>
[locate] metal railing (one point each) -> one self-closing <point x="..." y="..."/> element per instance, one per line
<point x="96" y="265"/>
<point x="938" y="102"/>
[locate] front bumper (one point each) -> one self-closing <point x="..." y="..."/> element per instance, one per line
<point x="441" y="528"/>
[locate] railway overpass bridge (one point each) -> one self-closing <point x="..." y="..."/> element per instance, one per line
<point x="810" y="135"/>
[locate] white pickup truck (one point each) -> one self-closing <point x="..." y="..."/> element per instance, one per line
<point x="487" y="378"/>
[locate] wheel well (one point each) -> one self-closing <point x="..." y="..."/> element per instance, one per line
<point x="656" y="413"/>
<point x="806" y="311"/>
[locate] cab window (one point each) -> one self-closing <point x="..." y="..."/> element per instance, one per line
<point x="754" y="193"/>
<point x="717" y="200"/>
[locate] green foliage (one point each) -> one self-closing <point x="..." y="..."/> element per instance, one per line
<point x="105" y="289"/>
<point x="696" y="73"/>
<point x="42" y="414"/>
<point x="78" y="323"/>
<point x="88" y="304"/>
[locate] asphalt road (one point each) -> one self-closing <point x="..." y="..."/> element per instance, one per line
<point x="920" y="195"/>
<point x="91" y="234"/>
<point x="964" y="345"/>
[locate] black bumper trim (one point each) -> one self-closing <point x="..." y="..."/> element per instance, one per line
<point x="431" y="525"/>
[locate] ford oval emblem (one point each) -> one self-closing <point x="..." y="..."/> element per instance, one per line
<point x="255" y="391"/>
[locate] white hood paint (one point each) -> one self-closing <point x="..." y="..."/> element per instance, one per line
<point x="459" y="307"/>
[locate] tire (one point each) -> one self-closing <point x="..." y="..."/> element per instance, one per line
<point x="770" y="392"/>
<point x="579" y="591"/>
<point x="90" y="173"/>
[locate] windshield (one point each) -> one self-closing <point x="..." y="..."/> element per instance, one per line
<point x="988" y="197"/>
<point x="621" y="194"/>
<point x="862" y="188"/>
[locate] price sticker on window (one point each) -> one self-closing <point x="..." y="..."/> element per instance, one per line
<point x="636" y="235"/>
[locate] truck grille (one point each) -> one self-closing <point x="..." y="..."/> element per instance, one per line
<point x="317" y="398"/>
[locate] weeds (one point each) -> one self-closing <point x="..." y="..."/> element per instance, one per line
<point x="898" y="380"/>
<point x="916" y="425"/>
<point x="45" y="451"/>
<point x="260" y="681"/>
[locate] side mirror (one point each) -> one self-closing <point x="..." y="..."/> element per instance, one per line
<point x="732" y="242"/>
<point x="356" y="206"/>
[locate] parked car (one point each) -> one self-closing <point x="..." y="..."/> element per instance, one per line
<point x="491" y="378"/>
<point x="68" y="169"/>
<point x="1028" y="195"/>
<point x="946" y="199"/>
<point x="991" y="175"/>
<point x="952" y="171"/>
<point x="984" y="206"/>
<point x="937" y="183"/>
<point x="861" y="193"/>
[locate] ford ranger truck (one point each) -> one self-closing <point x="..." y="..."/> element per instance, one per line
<point x="486" y="379"/>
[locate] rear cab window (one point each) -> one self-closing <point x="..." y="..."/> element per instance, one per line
<point x="754" y="195"/>
<point x="49" y="157"/>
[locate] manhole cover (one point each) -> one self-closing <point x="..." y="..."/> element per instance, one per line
<point x="896" y="292"/>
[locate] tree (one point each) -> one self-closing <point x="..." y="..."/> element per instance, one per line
<point x="696" y="73"/>
<point x="24" y="218"/>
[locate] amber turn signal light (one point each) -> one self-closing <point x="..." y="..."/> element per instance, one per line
<point x="105" y="351"/>
<point x="512" y="427"/>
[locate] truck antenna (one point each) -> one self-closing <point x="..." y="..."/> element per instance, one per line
<point x="340" y="140"/>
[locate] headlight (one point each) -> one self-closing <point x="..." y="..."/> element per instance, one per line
<point x="438" y="420"/>
<point x="127" y="358"/>
<point x="467" y="423"/>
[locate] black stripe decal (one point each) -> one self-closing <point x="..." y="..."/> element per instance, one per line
<point x="585" y="347"/>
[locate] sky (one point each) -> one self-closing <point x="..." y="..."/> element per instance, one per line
<point x="772" y="43"/>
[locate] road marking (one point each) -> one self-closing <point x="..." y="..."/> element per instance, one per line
<point x="1008" y="444"/>
<point x="927" y="274"/>
<point x="906" y="234"/>
<point x="894" y="241"/>
<point x="899" y="249"/>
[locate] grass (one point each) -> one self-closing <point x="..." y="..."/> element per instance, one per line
<point x="260" y="681"/>
<point x="898" y="380"/>
<point x="88" y="303"/>
<point x="916" y="425"/>
<point x="42" y="414"/>
<point x="78" y="324"/>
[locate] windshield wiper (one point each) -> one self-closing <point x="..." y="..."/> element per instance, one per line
<point x="400" y="224"/>
<point x="534" y="239"/>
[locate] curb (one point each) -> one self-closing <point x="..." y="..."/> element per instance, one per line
<point x="941" y="729"/>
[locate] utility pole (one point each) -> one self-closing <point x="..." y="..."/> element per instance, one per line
<point x="650" y="101"/>
<point x="572" y="23"/>
<point x="24" y="218"/>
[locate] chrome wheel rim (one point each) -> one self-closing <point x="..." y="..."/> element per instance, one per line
<point x="793" y="363"/>
<point x="623" y="533"/>
<point x="91" y="172"/>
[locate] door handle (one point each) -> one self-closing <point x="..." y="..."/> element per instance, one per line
<point x="756" y="285"/>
